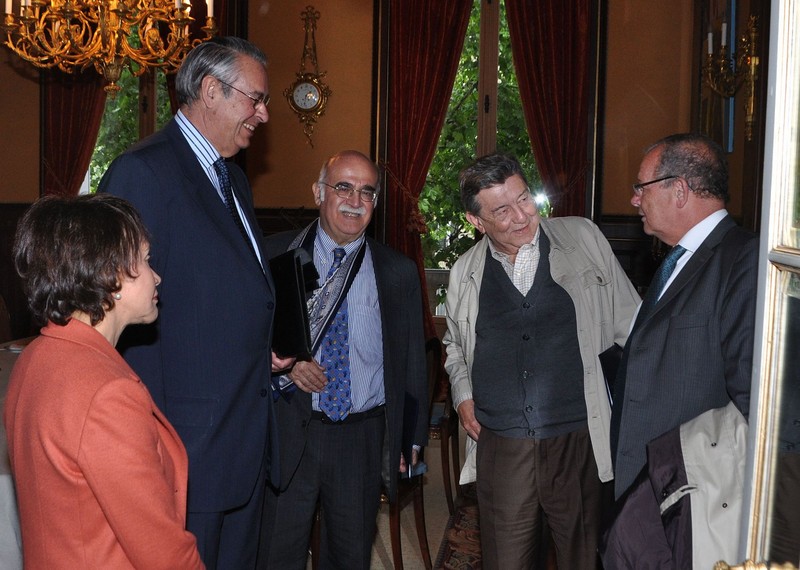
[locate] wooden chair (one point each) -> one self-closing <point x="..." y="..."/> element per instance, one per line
<point x="410" y="489"/>
<point x="444" y="425"/>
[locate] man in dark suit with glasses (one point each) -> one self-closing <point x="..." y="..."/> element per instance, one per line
<point x="691" y="347"/>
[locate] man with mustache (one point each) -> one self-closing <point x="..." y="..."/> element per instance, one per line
<point x="342" y="415"/>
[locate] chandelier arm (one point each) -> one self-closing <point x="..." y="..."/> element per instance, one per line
<point x="106" y="34"/>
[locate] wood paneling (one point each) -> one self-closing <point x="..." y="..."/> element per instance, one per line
<point x="638" y="253"/>
<point x="276" y="220"/>
<point x="10" y="285"/>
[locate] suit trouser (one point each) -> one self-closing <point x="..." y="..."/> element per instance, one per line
<point x="228" y="540"/>
<point x="340" y="467"/>
<point x="520" y="481"/>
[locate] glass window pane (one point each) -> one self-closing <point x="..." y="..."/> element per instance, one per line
<point x="784" y="535"/>
<point x="449" y="234"/>
<point x="784" y="176"/>
<point x="773" y="525"/>
<point x="119" y="128"/>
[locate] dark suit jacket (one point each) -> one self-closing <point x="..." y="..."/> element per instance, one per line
<point x="695" y="350"/>
<point x="207" y="360"/>
<point x="405" y="382"/>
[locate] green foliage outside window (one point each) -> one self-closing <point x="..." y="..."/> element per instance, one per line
<point x="449" y="234"/>
<point x="120" y="126"/>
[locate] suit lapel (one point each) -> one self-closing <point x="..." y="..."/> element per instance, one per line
<point x="389" y="299"/>
<point x="239" y="180"/>
<point x="698" y="260"/>
<point x="205" y="195"/>
<point x="385" y="279"/>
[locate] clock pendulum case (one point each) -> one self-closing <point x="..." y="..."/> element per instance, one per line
<point x="308" y="95"/>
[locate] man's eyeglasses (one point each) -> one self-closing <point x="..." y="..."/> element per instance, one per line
<point x="263" y="100"/>
<point x="505" y="213"/>
<point x="345" y="190"/>
<point x="639" y="188"/>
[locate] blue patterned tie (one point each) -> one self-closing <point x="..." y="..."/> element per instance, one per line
<point x="335" y="399"/>
<point x="227" y="193"/>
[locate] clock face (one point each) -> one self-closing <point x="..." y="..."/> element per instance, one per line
<point x="306" y="96"/>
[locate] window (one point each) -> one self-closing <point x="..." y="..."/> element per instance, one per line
<point x="140" y="108"/>
<point x="770" y="527"/>
<point x="486" y="74"/>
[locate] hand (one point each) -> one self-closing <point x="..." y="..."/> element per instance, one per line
<point x="414" y="460"/>
<point x="466" y="414"/>
<point x="279" y="363"/>
<point x="308" y="376"/>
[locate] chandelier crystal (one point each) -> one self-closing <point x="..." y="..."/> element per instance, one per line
<point x="107" y="34"/>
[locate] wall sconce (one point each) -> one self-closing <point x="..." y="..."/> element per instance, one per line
<point x="725" y="75"/>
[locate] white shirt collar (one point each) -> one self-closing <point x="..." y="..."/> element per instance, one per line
<point x="698" y="234"/>
<point x="499" y="255"/>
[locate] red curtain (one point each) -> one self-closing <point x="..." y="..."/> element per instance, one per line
<point x="72" y="110"/>
<point x="550" y="40"/>
<point x="426" y="38"/>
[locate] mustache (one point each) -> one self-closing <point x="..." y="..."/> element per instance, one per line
<point x="344" y="208"/>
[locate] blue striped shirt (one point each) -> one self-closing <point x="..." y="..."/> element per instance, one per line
<point x="207" y="155"/>
<point x="365" y="336"/>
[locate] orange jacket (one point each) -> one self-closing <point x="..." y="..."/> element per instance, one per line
<point x="100" y="473"/>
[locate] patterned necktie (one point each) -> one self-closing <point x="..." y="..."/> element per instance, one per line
<point x="335" y="399"/>
<point x="663" y="273"/>
<point x="227" y="193"/>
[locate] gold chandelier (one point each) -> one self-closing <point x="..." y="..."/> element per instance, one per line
<point x="108" y="34"/>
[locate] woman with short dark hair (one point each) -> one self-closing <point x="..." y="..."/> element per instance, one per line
<point x="100" y="473"/>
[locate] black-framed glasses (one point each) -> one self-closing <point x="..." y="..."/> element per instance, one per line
<point x="263" y="100"/>
<point x="345" y="190"/>
<point x="639" y="188"/>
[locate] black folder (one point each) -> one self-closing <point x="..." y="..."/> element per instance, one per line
<point x="295" y="276"/>
<point x="410" y="417"/>
<point x="609" y="361"/>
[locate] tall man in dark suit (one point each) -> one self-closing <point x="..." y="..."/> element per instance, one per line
<point x="341" y="426"/>
<point x="207" y="361"/>
<point x="693" y="351"/>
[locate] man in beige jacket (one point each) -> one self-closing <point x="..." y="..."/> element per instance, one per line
<point x="524" y="369"/>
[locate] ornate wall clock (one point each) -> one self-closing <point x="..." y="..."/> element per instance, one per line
<point x="308" y="94"/>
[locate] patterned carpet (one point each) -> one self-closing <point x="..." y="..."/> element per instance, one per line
<point x="461" y="547"/>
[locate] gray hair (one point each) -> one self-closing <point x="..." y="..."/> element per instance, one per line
<point x="696" y="158"/>
<point x="487" y="171"/>
<point x="217" y="57"/>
